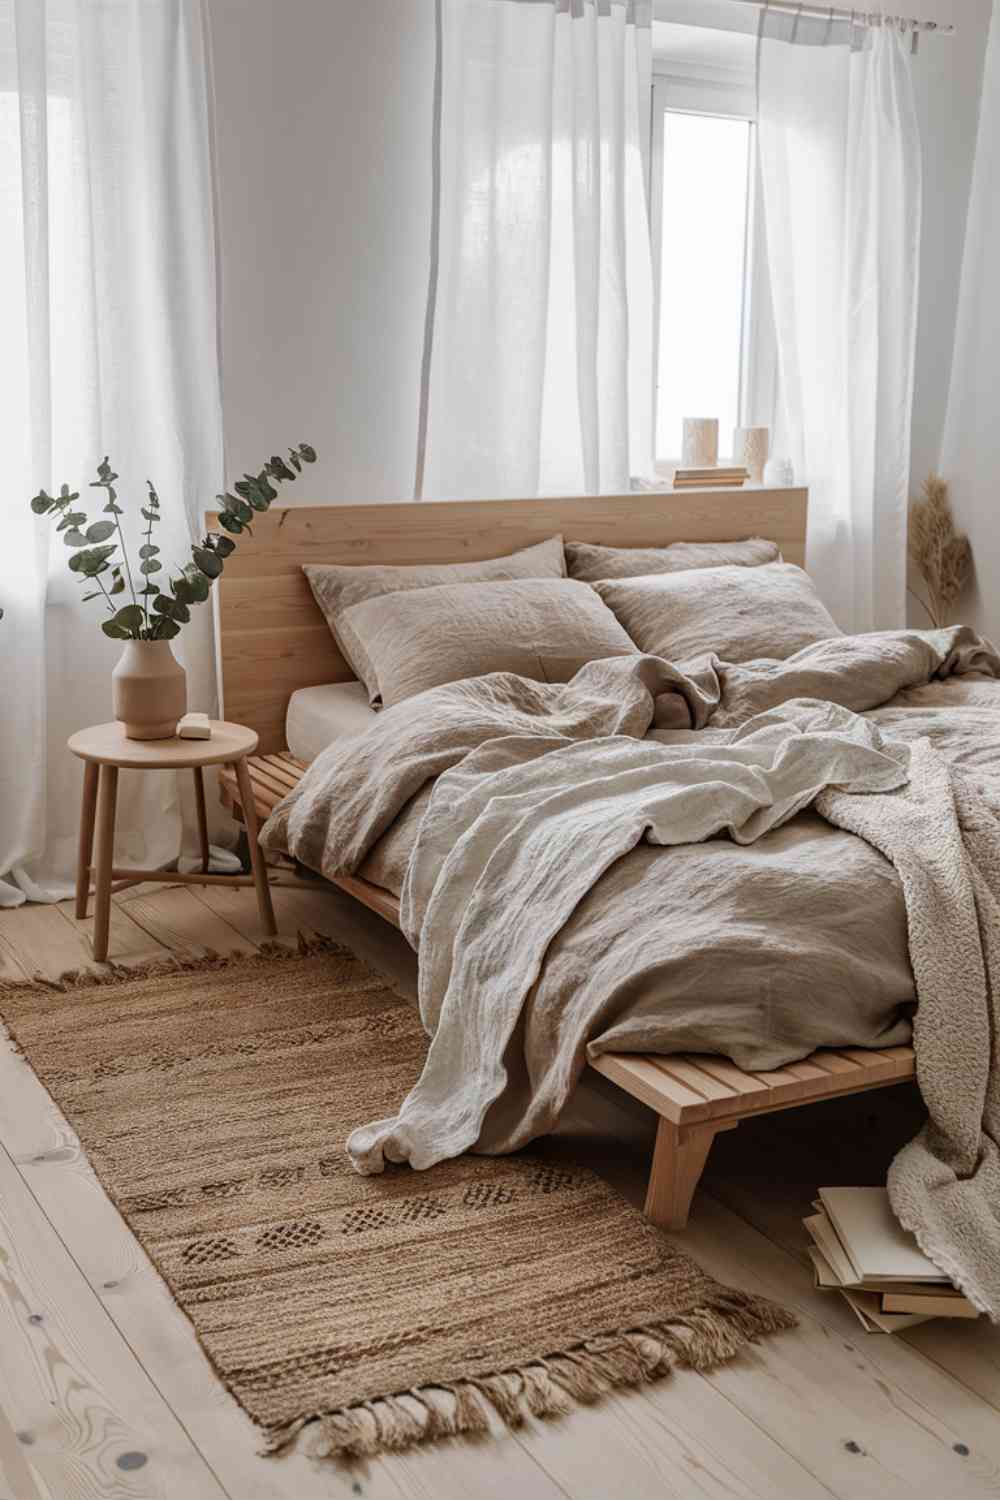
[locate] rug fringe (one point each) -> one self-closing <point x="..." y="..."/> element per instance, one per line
<point x="208" y="962"/>
<point x="701" y="1339"/>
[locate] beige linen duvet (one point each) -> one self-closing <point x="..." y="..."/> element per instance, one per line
<point x="551" y="921"/>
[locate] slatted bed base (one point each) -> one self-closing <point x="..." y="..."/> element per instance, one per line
<point x="694" y="1095"/>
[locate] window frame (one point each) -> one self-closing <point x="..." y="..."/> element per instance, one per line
<point x="728" y="93"/>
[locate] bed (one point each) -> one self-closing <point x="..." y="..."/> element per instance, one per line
<point x="275" y="650"/>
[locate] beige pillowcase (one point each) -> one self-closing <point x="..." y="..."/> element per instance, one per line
<point x="542" y="628"/>
<point x="337" y="587"/>
<point x="589" y="563"/>
<point x="739" y="613"/>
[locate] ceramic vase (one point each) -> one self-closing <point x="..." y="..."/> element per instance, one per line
<point x="149" y="690"/>
<point x="750" y="448"/>
<point x="701" y="443"/>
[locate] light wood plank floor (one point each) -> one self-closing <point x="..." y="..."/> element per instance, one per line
<point x="105" y="1393"/>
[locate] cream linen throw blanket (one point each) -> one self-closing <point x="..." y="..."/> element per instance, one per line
<point x="541" y="788"/>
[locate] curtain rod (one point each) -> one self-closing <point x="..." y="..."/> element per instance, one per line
<point x="837" y="13"/>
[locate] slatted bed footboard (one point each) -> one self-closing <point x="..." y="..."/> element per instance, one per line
<point x="694" y="1095"/>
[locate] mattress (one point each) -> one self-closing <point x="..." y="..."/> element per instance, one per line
<point x="317" y="716"/>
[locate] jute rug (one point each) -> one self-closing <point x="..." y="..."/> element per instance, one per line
<point x="213" y="1099"/>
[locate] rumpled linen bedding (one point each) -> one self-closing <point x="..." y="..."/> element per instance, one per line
<point x="834" y="832"/>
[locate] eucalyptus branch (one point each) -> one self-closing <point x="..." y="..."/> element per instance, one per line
<point x="93" y="548"/>
<point x="107" y="597"/>
<point x="128" y="569"/>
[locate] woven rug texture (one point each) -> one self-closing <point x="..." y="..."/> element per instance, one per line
<point x="213" y="1099"/>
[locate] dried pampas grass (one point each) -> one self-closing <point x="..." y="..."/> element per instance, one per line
<point x="942" y="554"/>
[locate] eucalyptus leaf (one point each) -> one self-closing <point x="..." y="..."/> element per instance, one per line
<point x="230" y="522"/>
<point x="148" y="549"/>
<point x="295" y="460"/>
<point x="307" y="453"/>
<point x="150" y="565"/>
<point x="224" y="545"/>
<point x="71" y="518"/>
<point x="118" y="587"/>
<point x="114" y="631"/>
<point x="94" y="560"/>
<point x="198" y="584"/>
<point x="250" y="490"/>
<point x="277" y="467"/>
<point x="242" y="511"/>
<point x="130" y="618"/>
<point x="149" y="515"/>
<point x="64" y="493"/>
<point x="74" y="538"/>
<point x="100" y="531"/>
<point x="167" y="629"/>
<point x="42" y="503"/>
<point x="207" y="561"/>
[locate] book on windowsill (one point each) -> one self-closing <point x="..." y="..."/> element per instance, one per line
<point x="860" y="1250"/>
<point x="730" y="476"/>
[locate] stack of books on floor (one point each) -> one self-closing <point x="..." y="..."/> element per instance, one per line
<point x="706" y="479"/>
<point x="860" y="1250"/>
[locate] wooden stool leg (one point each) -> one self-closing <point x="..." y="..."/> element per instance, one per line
<point x="199" y="802"/>
<point x="257" y="864"/>
<point x="85" y="852"/>
<point x="107" y="798"/>
<point x="679" y="1158"/>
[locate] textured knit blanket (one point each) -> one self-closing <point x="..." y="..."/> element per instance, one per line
<point x="541" y="789"/>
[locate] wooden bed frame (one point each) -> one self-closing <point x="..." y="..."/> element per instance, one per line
<point x="273" y="639"/>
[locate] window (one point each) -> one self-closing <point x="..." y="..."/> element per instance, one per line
<point x="714" y="340"/>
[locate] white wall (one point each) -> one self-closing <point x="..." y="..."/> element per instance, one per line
<point x="947" y="75"/>
<point x="324" y="164"/>
<point x="971" y="448"/>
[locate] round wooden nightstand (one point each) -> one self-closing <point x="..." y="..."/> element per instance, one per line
<point x="104" y="751"/>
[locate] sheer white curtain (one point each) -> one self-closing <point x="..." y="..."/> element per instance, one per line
<point x="108" y="317"/>
<point x="538" y="369"/>
<point x="840" y="162"/>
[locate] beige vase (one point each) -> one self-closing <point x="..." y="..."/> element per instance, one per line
<point x="750" y="447"/>
<point x="149" y="690"/>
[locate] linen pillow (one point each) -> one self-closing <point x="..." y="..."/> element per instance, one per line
<point x="336" y="587"/>
<point x="739" y="613"/>
<point x="544" y="628"/>
<point x="589" y="563"/>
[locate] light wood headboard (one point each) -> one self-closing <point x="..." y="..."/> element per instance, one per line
<point x="273" y="638"/>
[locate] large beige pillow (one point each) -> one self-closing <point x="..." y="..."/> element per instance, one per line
<point x="544" y="628"/>
<point x="337" y="587"/>
<point x="590" y="563"/>
<point x="739" y="613"/>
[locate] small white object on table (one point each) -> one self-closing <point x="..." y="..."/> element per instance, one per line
<point x="194" y="726"/>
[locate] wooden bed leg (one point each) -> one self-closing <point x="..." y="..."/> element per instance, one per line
<point x="679" y="1159"/>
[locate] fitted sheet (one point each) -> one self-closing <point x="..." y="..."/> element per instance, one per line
<point x="317" y="716"/>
